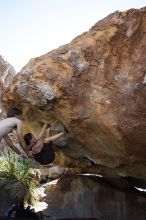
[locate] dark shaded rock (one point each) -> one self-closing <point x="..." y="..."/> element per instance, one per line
<point x="82" y="197"/>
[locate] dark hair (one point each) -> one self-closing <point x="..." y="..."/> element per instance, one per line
<point x="12" y="112"/>
<point x="27" y="137"/>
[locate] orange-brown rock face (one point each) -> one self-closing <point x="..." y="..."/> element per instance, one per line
<point x="96" y="86"/>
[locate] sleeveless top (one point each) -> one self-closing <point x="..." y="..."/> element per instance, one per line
<point x="46" y="155"/>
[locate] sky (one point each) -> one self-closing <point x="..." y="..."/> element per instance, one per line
<point x="31" y="28"/>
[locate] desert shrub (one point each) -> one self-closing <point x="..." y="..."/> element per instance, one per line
<point x="15" y="176"/>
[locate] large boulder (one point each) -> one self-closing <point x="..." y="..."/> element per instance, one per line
<point x="96" y="86"/>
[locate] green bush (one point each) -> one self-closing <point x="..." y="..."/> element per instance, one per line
<point x="15" y="176"/>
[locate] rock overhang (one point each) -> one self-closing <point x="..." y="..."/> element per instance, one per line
<point x="95" y="85"/>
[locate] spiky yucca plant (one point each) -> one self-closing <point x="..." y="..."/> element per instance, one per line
<point x="15" y="176"/>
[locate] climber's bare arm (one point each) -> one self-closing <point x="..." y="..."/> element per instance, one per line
<point x="48" y="132"/>
<point x="42" y="131"/>
<point x="54" y="137"/>
<point x="37" y="147"/>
